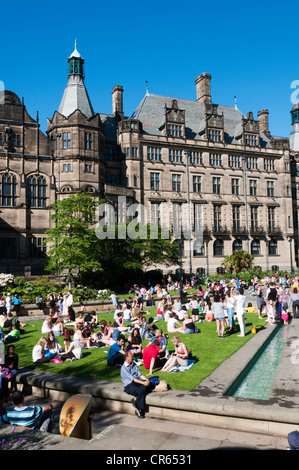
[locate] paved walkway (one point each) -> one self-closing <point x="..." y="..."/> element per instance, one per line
<point x="117" y="431"/>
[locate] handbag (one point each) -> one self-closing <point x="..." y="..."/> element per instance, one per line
<point x="161" y="386"/>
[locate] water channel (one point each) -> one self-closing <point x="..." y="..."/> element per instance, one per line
<point x="257" y="379"/>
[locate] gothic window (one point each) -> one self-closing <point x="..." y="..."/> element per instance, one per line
<point x="36" y="191"/>
<point x="8" y="190"/>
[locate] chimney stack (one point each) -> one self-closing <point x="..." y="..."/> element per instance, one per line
<point x="264" y="122"/>
<point x="117" y="100"/>
<point x="203" y="91"/>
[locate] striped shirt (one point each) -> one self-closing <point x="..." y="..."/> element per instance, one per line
<point x="24" y="416"/>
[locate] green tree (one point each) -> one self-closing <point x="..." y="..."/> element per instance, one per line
<point x="74" y="244"/>
<point x="238" y="262"/>
<point x="72" y="241"/>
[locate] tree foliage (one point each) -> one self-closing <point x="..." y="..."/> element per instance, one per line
<point x="238" y="262"/>
<point x="74" y="243"/>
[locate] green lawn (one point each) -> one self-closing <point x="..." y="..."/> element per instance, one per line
<point x="208" y="350"/>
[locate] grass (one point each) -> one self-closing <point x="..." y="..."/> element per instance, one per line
<point x="208" y="350"/>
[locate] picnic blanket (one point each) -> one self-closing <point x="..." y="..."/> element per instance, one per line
<point x="190" y="363"/>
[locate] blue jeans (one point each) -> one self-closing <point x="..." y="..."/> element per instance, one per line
<point x="230" y="314"/>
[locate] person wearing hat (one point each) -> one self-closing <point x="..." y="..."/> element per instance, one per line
<point x="8" y="304"/>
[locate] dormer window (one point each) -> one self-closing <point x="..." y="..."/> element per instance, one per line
<point x="174" y="121"/>
<point x="174" y="130"/>
<point x="214" y="135"/>
<point x="251" y="139"/>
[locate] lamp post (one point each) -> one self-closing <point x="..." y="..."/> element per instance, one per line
<point x="188" y="210"/>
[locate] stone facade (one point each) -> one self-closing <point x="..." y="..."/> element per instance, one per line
<point x="184" y="161"/>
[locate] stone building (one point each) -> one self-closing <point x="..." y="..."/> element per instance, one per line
<point x="190" y="163"/>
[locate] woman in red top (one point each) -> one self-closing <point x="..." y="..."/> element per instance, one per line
<point x="178" y="357"/>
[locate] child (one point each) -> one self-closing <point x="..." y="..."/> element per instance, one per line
<point x="285" y="315"/>
<point x="250" y="308"/>
<point x="270" y="312"/>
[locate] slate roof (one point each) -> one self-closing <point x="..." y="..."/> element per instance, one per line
<point x="75" y="96"/>
<point x="151" y="113"/>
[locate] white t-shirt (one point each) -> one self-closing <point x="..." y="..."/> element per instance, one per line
<point x="171" y="324"/>
<point x="127" y="314"/>
<point x="36" y="352"/>
<point x="77" y="351"/>
<point x="240" y="303"/>
<point x="230" y="302"/>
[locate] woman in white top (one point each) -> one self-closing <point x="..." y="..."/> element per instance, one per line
<point x="230" y="305"/>
<point x="47" y="325"/>
<point x="58" y="327"/>
<point x="171" y="325"/>
<point x="73" y="350"/>
<point x="240" y="309"/>
<point x="39" y="351"/>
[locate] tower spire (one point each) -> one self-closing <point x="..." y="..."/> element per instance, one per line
<point x="75" y="94"/>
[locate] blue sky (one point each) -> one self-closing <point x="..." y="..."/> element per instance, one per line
<point x="250" y="49"/>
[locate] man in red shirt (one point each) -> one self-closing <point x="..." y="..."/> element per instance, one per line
<point x="150" y="353"/>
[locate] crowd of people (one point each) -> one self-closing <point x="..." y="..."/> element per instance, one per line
<point x="222" y="302"/>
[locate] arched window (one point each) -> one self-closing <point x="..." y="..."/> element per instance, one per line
<point x="36" y="191"/>
<point x="66" y="189"/>
<point x="272" y="247"/>
<point x="8" y="190"/>
<point x="89" y="189"/>
<point x="218" y="248"/>
<point x="198" y="248"/>
<point x="237" y="245"/>
<point x="255" y="247"/>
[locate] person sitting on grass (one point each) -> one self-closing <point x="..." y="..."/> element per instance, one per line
<point x="39" y="352"/>
<point x="116" y="353"/>
<point x="189" y="325"/>
<point x="151" y="358"/>
<point x="162" y="342"/>
<point x="171" y="324"/>
<point x="135" y="342"/>
<point x="13" y="335"/>
<point x="84" y="341"/>
<point x="58" y="327"/>
<point x="53" y="344"/>
<point x="119" y="322"/>
<point x="73" y="350"/>
<point x="179" y="357"/>
<point x="91" y="319"/>
<point x="47" y="325"/>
